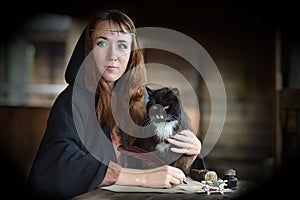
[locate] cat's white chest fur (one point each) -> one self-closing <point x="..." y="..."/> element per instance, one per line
<point x="162" y="147"/>
<point x="164" y="130"/>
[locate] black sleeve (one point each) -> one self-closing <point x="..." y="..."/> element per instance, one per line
<point x="64" y="167"/>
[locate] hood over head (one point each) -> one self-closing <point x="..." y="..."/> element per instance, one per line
<point x="76" y="60"/>
<point x="81" y="66"/>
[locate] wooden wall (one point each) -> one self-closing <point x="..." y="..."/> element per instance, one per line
<point x="22" y="129"/>
<point x="243" y="49"/>
<point x="245" y="58"/>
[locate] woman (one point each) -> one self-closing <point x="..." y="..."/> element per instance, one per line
<point x="77" y="153"/>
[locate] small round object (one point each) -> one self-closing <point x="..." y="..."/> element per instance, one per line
<point x="211" y="176"/>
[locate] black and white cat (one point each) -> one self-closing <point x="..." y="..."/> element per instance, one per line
<point x="164" y="117"/>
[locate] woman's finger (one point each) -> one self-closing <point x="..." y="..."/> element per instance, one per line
<point x="178" y="150"/>
<point x="178" y="143"/>
<point x="183" y="138"/>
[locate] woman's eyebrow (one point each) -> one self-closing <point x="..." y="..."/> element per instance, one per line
<point x="113" y="30"/>
<point x="105" y="38"/>
<point x="123" y="41"/>
<point x="102" y="37"/>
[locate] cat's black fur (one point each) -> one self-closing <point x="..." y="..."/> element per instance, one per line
<point x="165" y="117"/>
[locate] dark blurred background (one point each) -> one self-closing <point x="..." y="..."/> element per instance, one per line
<point x="255" y="46"/>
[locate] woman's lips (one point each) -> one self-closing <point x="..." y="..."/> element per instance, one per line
<point x="111" y="68"/>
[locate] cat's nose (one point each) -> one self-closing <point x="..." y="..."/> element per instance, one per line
<point x="157" y="113"/>
<point x="159" y="119"/>
<point x="159" y="116"/>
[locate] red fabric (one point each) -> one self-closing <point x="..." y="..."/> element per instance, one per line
<point x="148" y="158"/>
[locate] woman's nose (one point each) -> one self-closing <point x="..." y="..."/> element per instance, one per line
<point x="111" y="58"/>
<point x="111" y="55"/>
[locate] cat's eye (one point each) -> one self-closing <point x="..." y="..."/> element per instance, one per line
<point x="166" y="107"/>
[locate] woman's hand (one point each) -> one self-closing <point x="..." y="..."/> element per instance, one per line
<point x="187" y="142"/>
<point x="164" y="177"/>
<point x="161" y="177"/>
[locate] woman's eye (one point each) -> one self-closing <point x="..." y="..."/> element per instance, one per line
<point x="123" y="46"/>
<point x="102" y="44"/>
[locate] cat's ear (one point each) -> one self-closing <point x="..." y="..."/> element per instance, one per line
<point x="175" y="91"/>
<point x="149" y="91"/>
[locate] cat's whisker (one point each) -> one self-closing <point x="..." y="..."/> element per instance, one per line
<point x="173" y="116"/>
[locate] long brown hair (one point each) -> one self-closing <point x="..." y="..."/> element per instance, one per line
<point x="135" y="67"/>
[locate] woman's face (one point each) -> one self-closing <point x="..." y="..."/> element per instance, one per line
<point x="111" y="50"/>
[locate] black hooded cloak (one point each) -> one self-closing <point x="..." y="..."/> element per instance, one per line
<point x="64" y="167"/>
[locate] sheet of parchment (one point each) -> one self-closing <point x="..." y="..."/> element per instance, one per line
<point x="191" y="187"/>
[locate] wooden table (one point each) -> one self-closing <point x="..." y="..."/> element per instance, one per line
<point x="243" y="186"/>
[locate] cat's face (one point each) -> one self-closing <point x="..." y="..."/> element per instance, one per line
<point x="163" y="105"/>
